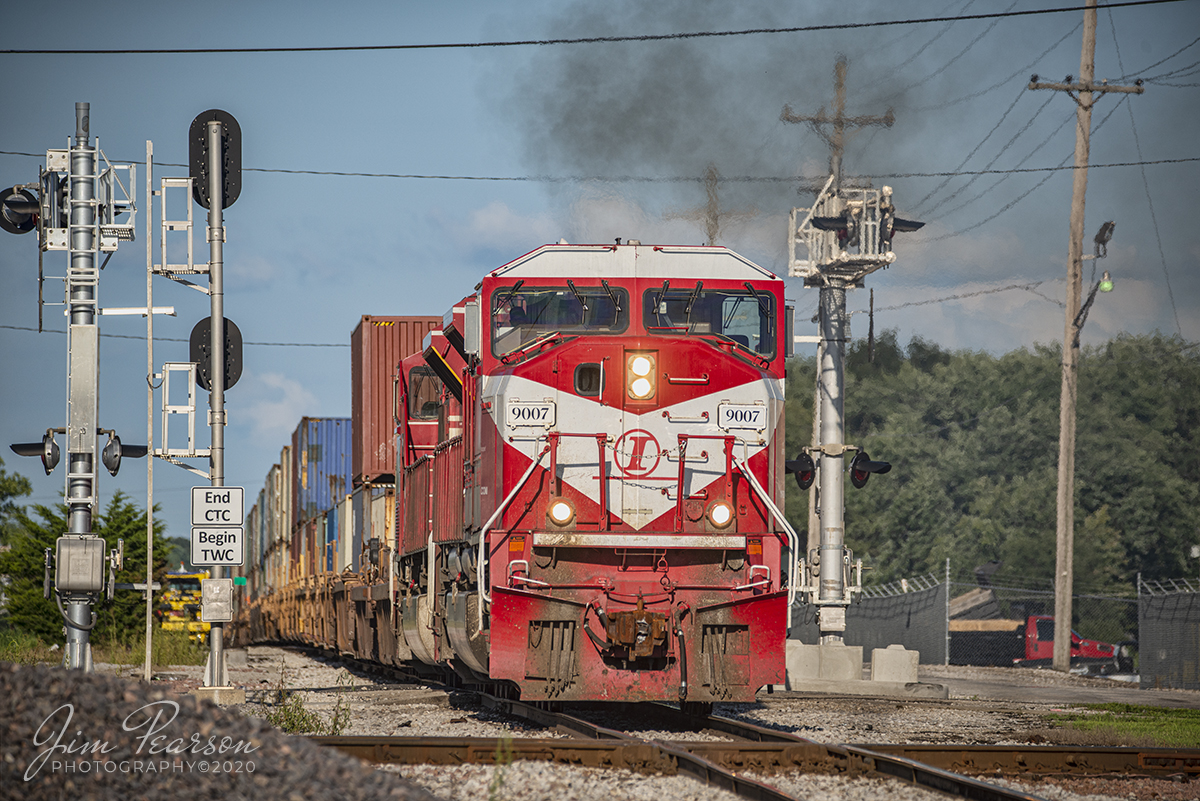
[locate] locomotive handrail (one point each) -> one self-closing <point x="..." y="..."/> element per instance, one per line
<point x="481" y="562"/>
<point x="793" y="538"/>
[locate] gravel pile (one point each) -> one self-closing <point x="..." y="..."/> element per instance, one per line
<point x="70" y="735"/>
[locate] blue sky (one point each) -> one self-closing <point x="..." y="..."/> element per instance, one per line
<point x="307" y="255"/>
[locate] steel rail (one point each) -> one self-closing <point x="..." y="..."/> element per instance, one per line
<point x="683" y="761"/>
<point x="1050" y="760"/>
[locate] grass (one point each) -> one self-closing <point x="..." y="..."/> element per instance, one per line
<point x="169" y="648"/>
<point x="25" y="649"/>
<point x="288" y="713"/>
<point x="1127" y="724"/>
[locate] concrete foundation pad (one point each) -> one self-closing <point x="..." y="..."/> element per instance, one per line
<point x="894" y="664"/>
<point x="823" y="662"/>
<point x="221" y="696"/>
<point x="883" y="689"/>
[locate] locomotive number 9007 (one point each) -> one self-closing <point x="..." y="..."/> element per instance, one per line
<point x="530" y="414"/>
<point x="742" y="415"/>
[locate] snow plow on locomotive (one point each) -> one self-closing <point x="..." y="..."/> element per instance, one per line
<point x="588" y="484"/>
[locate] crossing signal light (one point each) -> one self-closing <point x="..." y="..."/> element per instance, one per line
<point x="114" y="450"/>
<point x="47" y="449"/>
<point x="803" y="468"/>
<point x="18" y="210"/>
<point x="861" y="468"/>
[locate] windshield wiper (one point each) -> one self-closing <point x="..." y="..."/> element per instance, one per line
<point x="762" y="302"/>
<point x="575" y="292"/>
<point x="687" y="310"/>
<point x="506" y="298"/>
<point x="612" y="295"/>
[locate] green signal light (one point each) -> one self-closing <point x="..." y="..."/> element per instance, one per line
<point x="1106" y="282"/>
<point x="239" y="581"/>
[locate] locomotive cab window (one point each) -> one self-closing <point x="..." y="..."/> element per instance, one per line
<point x="745" y="317"/>
<point x="521" y="314"/>
<point x="424" y="393"/>
<point x="588" y="381"/>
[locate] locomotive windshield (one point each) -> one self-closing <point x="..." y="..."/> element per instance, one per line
<point x="744" y="316"/>
<point x="521" y="314"/>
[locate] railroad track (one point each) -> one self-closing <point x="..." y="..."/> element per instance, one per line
<point x="758" y="750"/>
<point x="750" y="748"/>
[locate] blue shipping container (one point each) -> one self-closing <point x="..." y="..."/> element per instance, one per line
<point x="321" y="465"/>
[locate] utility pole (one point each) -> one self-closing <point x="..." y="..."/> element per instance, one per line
<point x="847" y="234"/>
<point x="1082" y="92"/>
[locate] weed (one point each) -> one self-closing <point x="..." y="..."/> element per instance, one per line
<point x="503" y="758"/>
<point x="288" y="712"/>
<point x="340" y="717"/>
<point x="26" y="649"/>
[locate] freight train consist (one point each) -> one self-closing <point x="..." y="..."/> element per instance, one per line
<point x="571" y="486"/>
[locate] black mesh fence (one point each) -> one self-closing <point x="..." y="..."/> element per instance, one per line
<point x="911" y="613"/>
<point x="1169" y="641"/>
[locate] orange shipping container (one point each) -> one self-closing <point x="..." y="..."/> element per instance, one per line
<point x="377" y="346"/>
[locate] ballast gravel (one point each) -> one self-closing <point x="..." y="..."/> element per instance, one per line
<point x="70" y="735"/>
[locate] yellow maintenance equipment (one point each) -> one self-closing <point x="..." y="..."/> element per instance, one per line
<point x="179" y="606"/>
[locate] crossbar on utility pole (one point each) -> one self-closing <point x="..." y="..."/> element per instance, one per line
<point x="1082" y="92"/>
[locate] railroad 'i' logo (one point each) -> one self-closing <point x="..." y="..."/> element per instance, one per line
<point x="637" y="453"/>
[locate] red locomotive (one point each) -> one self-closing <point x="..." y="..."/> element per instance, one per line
<point x="588" y="483"/>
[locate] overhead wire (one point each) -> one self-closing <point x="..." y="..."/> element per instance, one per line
<point x="1028" y="192"/>
<point x="659" y="178"/>
<point x="960" y="54"/>
<point x="649" y="37"/>
<point x="175" y="339"/>
<point x="1004" y="149"/>
<point x="1004" y="82"/>
<point x="1146" y="186"/>
<point x="975" y="150"/>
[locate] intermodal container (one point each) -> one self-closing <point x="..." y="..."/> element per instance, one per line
<point x="321" y="471"/>
<point x="377" y="346"/>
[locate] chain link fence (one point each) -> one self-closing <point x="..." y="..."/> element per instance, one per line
<point x="909" y="612"/>
<point x="1169" y="634"/>
<point x="978" y="623"/>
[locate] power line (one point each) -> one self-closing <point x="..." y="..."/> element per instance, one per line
<point x="963" y="163"/>
<point x="579" y="40"/>
<point x="1028" y="192"/>
<point x="661" y="178"/>
<point x="947" y="198"/>
<point x="955" y="58"/>
<point x="172" y="339"/>
<point x="1020" y="71"/>
<point x="1146" y="185"/>
<point x="1129" y="75"/>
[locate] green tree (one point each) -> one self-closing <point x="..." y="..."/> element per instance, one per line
<point x="974" y="443"/>
<point x="121" y="617"/>
<point x="12" y="485"/>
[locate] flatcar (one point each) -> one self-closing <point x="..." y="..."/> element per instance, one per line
<point x="588" y="483"/>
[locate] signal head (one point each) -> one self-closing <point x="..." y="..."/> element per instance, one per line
<point x="18" y="210"/>
<point x="861" y="468"/>
<point x="803" y="468"/>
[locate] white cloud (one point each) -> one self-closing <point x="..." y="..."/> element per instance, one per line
<point x="275" y="404"/>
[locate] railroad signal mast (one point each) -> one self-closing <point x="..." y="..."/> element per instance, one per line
<point x="74" y="206"/>
<point x="834" y="245"/>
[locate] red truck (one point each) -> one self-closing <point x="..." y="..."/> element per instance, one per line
<point x="1027" y="644"/>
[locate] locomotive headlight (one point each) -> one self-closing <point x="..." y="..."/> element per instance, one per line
<point x="640" y="368"/>
<point x="720" y="514"/>
<point x="561" y="513"/>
